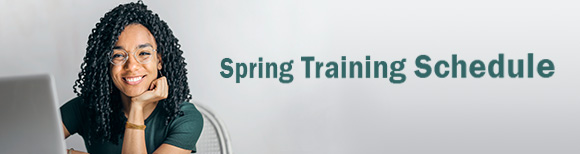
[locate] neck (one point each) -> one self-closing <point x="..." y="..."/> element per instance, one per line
<point x="127" y="103"/>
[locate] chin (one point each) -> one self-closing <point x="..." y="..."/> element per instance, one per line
<point x="134" y="92"/>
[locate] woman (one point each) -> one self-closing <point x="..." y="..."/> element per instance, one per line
<point x="132" y="90"/>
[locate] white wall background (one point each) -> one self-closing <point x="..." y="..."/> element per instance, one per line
<point x="433" y="115"/>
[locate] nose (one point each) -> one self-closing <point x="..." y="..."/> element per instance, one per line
<point x="132" y="64"/>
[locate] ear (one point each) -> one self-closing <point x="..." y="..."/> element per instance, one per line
<point x="160" y="63"/>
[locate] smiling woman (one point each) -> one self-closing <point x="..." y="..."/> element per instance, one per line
<point x="132" y="89"/>
<point x="132" y="75"/>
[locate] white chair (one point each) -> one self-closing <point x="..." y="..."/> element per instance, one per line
<point x="214" y="138"/>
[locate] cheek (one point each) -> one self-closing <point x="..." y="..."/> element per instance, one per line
<point x="152" y="69"/>
<point x="115" y="75"/>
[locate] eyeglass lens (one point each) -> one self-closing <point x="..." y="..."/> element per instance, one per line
<point x="120" y="56"/>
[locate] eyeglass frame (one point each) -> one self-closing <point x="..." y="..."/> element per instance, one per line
<point x="127" y="57"/>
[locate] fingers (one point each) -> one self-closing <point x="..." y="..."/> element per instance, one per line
<point x="153" y="84"/>
<point x="165" y="91"/>
<point x="161" y="87"/>
<point x="158" y="90"/>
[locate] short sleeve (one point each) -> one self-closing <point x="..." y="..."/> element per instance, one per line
<point x="71" y="115"/>
<point x="185" y="130"/>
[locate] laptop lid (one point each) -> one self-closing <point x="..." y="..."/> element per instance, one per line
<point x="29" y="116"/>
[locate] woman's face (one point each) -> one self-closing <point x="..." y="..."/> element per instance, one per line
<point x="133" y="77"/>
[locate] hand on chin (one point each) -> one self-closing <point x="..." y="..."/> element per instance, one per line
<point x="158" y="90"/>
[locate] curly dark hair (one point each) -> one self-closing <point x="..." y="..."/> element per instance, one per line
<point x="101" y="97"/>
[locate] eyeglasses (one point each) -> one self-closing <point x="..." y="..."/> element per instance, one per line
<point x="142" y="55"/>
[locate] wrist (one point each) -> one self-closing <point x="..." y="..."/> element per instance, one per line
<point x="135" y="110"/>
<point x="136" y="105"/>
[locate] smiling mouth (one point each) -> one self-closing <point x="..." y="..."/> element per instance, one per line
<point x="133" y="80"/>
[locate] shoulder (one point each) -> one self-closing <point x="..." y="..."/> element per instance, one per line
<point x="189" y="108"/>
<point x="73" y="115"/>
<point x="189" y="124"/>
<point x="73" y="104"/>
<point x="77" y="100"/>
<point x="191" y="116"/>
<point x="185" y="130"/>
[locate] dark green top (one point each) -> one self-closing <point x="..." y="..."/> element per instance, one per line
<point x="181" y="132"/>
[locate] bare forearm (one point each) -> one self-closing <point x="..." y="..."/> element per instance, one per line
<point x="134" y="139"/>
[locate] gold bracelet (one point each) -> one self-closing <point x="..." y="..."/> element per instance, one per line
<point x="135" y="126"/>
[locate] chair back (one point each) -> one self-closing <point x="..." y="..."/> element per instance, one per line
<point x="214" y="138"/>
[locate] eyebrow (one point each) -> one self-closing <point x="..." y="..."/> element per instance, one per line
<point x="117" y="47"/>
<point x="138" y="47"/>
<point x="144" y="46"/>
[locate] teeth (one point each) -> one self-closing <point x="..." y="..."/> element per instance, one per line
<point x="134" y="79"/>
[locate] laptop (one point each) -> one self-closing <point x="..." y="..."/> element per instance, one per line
<point x="29" y="116"/>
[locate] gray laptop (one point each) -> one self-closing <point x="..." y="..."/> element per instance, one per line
<point x="29" y="116"/>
